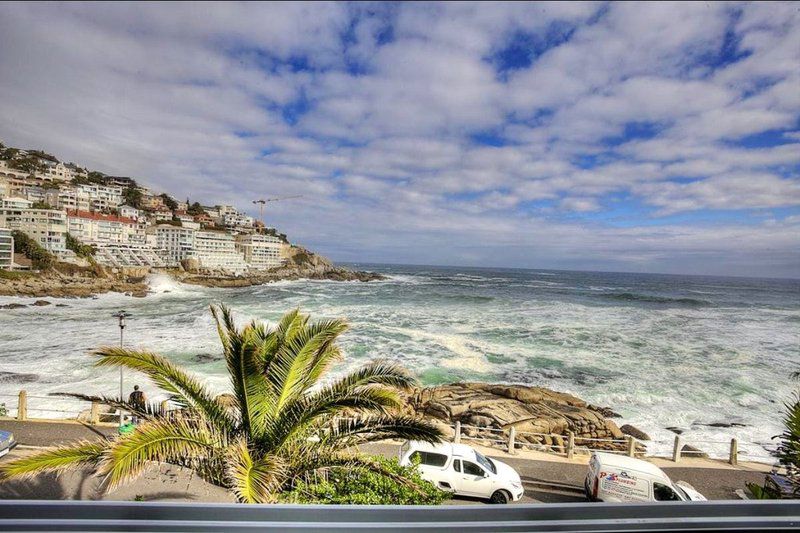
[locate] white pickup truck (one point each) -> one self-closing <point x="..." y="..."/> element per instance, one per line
<point x="462" y="470"/>
<point x="616" y="478"/>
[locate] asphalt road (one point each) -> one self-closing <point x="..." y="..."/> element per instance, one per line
<point x="714" y="483"/>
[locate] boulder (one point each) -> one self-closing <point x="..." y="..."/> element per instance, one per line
<point x="691" y="451"/>
<point x="538" y="414"/>
<point x="41" y="303"/>
<point x="12" y="306"/>
<point x="634" y="432"/>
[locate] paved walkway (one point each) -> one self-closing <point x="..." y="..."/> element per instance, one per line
<point x="714" y="479"/>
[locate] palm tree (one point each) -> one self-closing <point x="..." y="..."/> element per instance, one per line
<point x="280" y="426"/>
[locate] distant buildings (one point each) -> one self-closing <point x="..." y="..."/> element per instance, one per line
<point x="260" y="252"/>
<point x="217" y="250"/>
<point x="6" y="249"/>
<point x="48" y="227"/>
<point x="126" y="224"/>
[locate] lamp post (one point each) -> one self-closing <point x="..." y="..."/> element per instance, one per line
<point x="121" y="315"/>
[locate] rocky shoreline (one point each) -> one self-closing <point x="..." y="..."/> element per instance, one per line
<point x="70" y="281"/>
<point x="542" y="418"/>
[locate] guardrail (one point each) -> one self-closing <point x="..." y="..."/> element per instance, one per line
<point x="570" y="444"/>
<point x="509" y="439"/>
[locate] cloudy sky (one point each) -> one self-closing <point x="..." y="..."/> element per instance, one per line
<point x="634" y="137"/>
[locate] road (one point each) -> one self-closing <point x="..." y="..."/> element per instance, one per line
<point x="545" y="480"/>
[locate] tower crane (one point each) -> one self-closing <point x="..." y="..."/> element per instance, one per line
<point x="263" y="202"/>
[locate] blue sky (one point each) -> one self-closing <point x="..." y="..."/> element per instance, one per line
<point x="661" y="137"/>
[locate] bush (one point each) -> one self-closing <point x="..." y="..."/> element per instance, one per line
<point x="80" y="249"/>
<point x="359" y="487"/>
<point x="23" y="244"/>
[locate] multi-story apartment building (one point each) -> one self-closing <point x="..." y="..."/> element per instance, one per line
<point x="120" y="181"/>
<point x="67" y="198"/>
<point x="173" y="243"/>
<point x="97" y="228"/>
<point x="217" y="250"/>
<point x="6" y="249"/>
<point x="48" y="227"/>
<point x="127" y="211"/>
<point x="58" y="172"/>
<point x="100" y="197"/>
<point x="151" y="201"/>
<point x="260" y="252"/>
<point x="237" y="221"/>
<point x="161" y="214"/>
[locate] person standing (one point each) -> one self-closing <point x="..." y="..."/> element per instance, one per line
<point x="138" y="400"/>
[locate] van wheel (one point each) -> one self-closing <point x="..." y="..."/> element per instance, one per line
<point x="500" y="497"/>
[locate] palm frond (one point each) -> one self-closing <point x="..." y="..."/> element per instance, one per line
<point x="157" y="440"/>
<point x="55" y="460"/>
<point x="147" y="411"/>
<point x="172" y="379"/>
<point x="349" y="432"/>
<point x="254" y="480"/>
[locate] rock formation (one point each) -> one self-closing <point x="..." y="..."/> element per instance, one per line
<point x="530" y="410"/>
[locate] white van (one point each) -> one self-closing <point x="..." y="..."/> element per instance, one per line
<point x="616" y="478"/>
<point x="462" y="470"/>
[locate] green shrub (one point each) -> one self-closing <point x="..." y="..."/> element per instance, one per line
<point x="80" y="249"/>
<point x="23" y="244"/>
<point x="359" y="487"/>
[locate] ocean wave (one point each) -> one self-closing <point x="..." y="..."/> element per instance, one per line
<point x="649" y="298"/>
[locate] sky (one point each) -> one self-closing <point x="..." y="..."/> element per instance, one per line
<point x="645" y="137"/>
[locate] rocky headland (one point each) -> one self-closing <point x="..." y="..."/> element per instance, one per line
<point x="71" y="281"/>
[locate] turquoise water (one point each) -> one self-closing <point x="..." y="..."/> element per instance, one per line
<point x="662" y="351"/>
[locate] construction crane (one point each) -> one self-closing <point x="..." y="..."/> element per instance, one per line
<point x="263" y="202"/>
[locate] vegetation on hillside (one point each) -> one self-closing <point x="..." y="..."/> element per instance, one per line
<point x="81" y="250"/>
<point x="40" y="258"/>
<point x="169" y="201"/>
<point x="280" y="431"/>
<point x="132" y="197"/>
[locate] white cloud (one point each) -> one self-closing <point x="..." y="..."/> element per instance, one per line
<point x="229" y="102"/>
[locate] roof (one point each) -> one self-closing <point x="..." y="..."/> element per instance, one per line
<point x="99" y="216"/>
<point x="458" y="450"/>
<point x="629" y="463"/>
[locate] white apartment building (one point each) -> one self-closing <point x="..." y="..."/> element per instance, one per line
<point x="260" y="252"/>
<point x="48" y="227"/>
<point x="162" y="214"/>
<point x="127" y="255"/>
<point x="97" y="228"/>
<point x="237" y="221"/>
<point x="217" y="250"/>
<point x="127" y="211"/>
<point x="6" y="249"/>
<point x="173" y="243"/>
<point x="100" y="197"/>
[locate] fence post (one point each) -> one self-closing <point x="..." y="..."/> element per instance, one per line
<point x="570" y="445"/>
<point x="676" y="449"/>
<point x="631" y="446"/>
<point x="512" y="436"/>
<point x="94" y="416"/>
<point x="457" y="433"/>
<point x="734" y="457"/>
<point x="22" y="406"/>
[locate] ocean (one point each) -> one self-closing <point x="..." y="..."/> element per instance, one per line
<point x="710" y="356"/>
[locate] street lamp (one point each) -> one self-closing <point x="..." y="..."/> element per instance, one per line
<point x="121" y="315"/>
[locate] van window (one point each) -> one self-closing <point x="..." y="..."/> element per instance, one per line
<point x="472" y="469"/>
<point x="429" y="458"/>
<point x="457" y="465"/>
<point x="664" y="493"/>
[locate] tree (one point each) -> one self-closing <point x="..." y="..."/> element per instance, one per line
<point x="40" y="258"/>
<point x="133" y="197"/>
<point x="41" y="205"/>
<point x="169" y="201"/>
<point x="195" y="209"/>
<point x="279" y="428"/>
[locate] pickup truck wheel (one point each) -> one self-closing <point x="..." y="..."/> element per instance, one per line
<point x="500" y="497"/>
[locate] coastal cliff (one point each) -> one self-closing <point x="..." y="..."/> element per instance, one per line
<point x="300" y="264"/>
<point x="67" y="280"/>
<point x="70" y="281"/>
